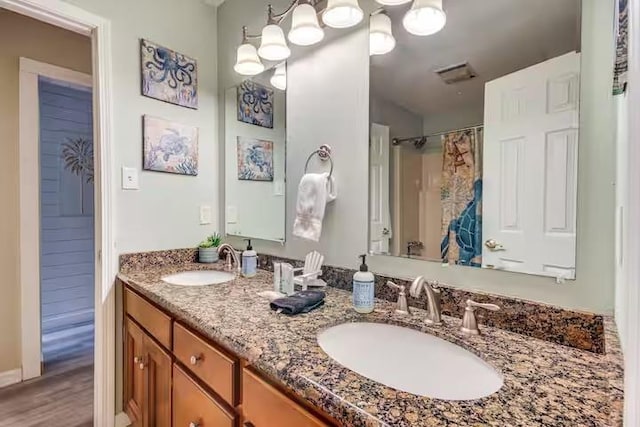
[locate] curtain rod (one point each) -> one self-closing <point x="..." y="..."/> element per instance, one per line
<point x="419" y="141"/>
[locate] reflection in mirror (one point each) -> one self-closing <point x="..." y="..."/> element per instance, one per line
<point x="474" y="136"/>
<point x="255" y="148"/>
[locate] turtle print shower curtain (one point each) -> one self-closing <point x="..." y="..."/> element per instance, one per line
<point x="461" y="198"/>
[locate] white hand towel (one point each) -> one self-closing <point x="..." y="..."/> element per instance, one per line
<point x="314" y="192"/>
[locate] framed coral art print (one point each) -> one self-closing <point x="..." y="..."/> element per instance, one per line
<point x="255" y="104"/>
<point x="255" y="159"/>
<point x="170" y="147"/>
<point x="168" y="75"/>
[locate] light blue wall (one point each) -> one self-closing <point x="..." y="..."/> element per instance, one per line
<point x="66" y="207"/>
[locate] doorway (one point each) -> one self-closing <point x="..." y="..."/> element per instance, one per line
<point x="66" y="219"/>
<point x="97" y="29"/>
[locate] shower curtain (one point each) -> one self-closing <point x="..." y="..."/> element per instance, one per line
<point x="461" y="197"/>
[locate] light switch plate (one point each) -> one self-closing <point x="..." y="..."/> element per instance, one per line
<point x="205" y="215"/>
<point x="278" y="188"/>
<point x="232" y="215"/>
<point x="130" y="179"/>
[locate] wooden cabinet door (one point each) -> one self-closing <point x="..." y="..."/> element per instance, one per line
<point x="193" y="406"/>
<point x="134" y="353"/>
<point x="157" y="386"/>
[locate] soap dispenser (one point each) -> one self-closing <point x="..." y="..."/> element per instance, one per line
<point x="363" y="288"/>
<point x="249" y="261"/>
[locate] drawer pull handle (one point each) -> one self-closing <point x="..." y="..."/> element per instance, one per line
<point x="194" y="424"/>
<point x="194" y="360"/>
<point x="247" y="424"/>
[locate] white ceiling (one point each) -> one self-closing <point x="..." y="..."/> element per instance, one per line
<point x="496" y="37"/>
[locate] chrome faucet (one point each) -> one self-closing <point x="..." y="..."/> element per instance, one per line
<point x="434" y="312"/>
<point x="231" y="255"/>
<point x="402" y="307"/>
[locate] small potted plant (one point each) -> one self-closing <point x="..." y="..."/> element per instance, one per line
<point x="208" y="249"/>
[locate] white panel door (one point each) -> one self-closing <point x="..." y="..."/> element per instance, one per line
<point x="379" y="217"/>
<point x="530" y="169"/>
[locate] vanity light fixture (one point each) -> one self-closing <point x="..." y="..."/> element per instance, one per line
<point x="342" y="13"/>
<point x="305" y="28"/>
<point x="381" y="40"/>
<point x="247" y="61"/>
<point x="274" y="46"/>
<point x="279" y="78"/>
<point x="305" y="31"/>
<point x="425" y="17"/>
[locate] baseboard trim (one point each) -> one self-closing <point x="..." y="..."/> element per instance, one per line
<point x="122" y="420"/>
<point x="8" y="378"/>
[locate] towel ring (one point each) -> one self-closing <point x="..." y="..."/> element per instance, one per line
<point x="324" y="152"/>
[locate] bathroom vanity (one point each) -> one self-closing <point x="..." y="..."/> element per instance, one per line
<point x="217" y="355"/>
<point x="175" y="375"/>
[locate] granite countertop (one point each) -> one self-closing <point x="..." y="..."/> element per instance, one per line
<point x="545" y="384"/>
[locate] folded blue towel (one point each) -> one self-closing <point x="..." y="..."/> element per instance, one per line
<point x="300" y="302"/>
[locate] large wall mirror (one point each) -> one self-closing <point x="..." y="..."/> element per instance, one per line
<point x="255" y="156"/>
<point x="474" y="137"/>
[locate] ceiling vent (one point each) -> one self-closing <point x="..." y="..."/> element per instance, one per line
<point x="456" y="73"/>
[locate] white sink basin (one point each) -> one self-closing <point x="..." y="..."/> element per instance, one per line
<point x="199" y="278"/>
<point x="410" y="361"/>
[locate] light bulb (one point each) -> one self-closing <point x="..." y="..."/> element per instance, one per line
<point x="305" y="29"/>
<point x="342" y="13"/>
<point x="425" y="17"/>
<point x="274" y="46"/>
<point x="248" y="63"/>
<point x="381" y="38"/>
<point x="392" y="2"/>
<point x="279" y="78"/>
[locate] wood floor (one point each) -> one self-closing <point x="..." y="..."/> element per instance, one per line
<point x="62" y="397"/>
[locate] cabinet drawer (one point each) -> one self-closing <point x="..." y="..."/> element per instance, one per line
<point x="153" y="320"/>
<point x="212" y="366"/>
<point x="265" y="406"/>
<point x="193" y="406"/>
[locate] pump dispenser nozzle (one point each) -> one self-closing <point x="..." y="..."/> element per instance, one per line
<point x="363" y="266"/>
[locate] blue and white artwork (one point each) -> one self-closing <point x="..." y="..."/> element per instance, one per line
<point x="255" y="159"/>
<point x="170" y="147"/>
<point x="168" y="75"/>
<point x="255" y="104"/>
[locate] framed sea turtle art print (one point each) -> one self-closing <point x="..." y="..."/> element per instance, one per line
<point x="255" y="159"/>
<point x="168" y="75"/>
<point x="170" y="147"/>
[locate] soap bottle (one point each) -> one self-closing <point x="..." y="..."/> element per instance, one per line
<point x="249" y="261"/>
<point x="363" y="288"/>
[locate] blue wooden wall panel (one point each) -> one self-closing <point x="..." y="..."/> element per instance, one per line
<point x="66" y="209"/>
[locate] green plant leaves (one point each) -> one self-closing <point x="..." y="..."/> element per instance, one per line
<point x="212" y="241"/>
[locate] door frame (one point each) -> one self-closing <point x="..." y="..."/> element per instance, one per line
<point x="631" y="250"/>
<point x="73" y="18"/>
<point x="396" y="211"/>
<point x="388" y="210"/>
<point x="29" y="149"/>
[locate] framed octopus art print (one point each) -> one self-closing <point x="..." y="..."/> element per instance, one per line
<point x="168" y="75"/>
<point x="255" y="104"/>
